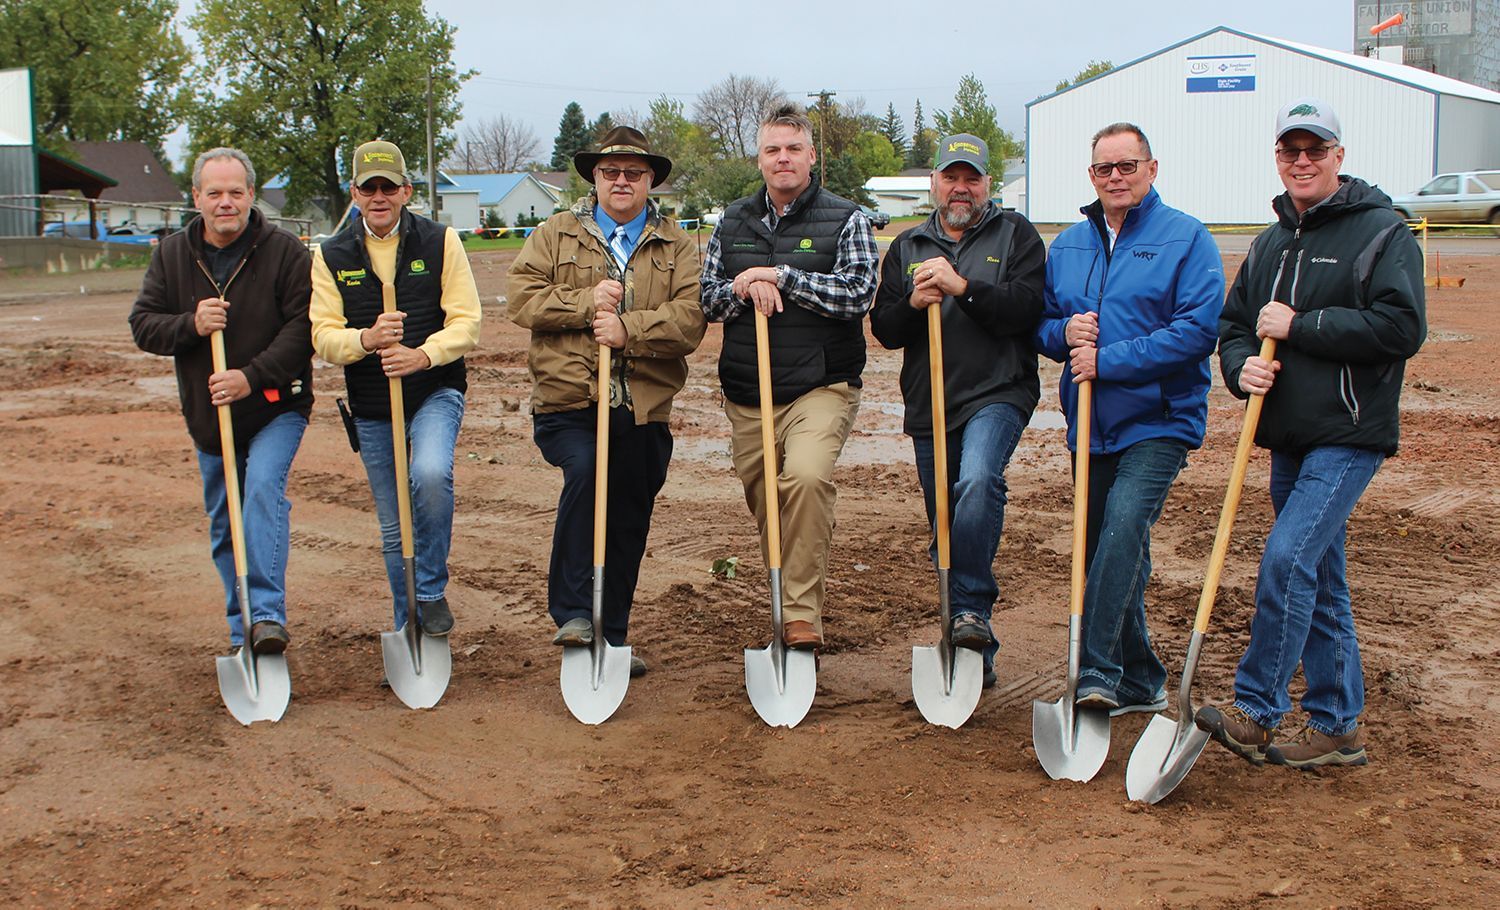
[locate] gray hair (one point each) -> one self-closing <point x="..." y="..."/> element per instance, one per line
<point x="1116" y="129"/>
<point x="788" y="113"/>
<point x="223" y="152"/>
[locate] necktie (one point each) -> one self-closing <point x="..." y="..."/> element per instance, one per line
<point x="617" y="245"/>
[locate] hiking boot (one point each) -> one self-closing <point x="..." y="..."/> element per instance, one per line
<point x="1157" y="703"/>
<point x="437" y="619"/>
<point x="268" y="637"/>
<point x="801" y="635"/>
<point x="972" y="632"/>
<point x="637" y="667"/>
<point x="989" y="678"/>
<point x="1236" y="731"/>
<point x="1096" y="698"/>
<point x="1313" y="750"/>
<point x="575" y="633"/>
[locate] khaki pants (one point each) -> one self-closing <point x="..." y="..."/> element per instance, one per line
<point x="810" y="434"/>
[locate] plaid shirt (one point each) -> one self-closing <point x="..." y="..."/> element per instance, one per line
<point x="844" y="293"/>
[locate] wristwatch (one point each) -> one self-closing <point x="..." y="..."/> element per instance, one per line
<point x="781" y="273"/>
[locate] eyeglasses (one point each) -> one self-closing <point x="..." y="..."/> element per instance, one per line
<point x="1126" y="167"/>
<point x="382" y="188"/>
<point x="1290" y="154"/>
<point x="613" y="173"/>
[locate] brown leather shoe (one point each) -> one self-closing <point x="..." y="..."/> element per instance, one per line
<point x="801" y="635"/>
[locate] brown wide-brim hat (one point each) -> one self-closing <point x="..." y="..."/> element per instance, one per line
<point x="624" y="140"/>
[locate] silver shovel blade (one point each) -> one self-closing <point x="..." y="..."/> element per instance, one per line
<point x="945" y="702"/>
<point x="781" y="703"/>
<point x="418" y="679"/>
<point x="1162" y="757"/>
<point x="1071" y="745"/>
<point x="593" y="701"/>
<point x="259" y="695"/>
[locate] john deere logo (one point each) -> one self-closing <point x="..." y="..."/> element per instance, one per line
<point x="351" y="276"/>
<point x="969" y="147"/>
<point x="382" y="157"/>
<point x="418" y="266"/>
<point x="1303" y="110"/>
<point x="806" y="244"/>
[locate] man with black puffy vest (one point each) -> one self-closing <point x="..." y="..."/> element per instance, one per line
<point x="806" y="259"/>
<point x="436" y="322"/>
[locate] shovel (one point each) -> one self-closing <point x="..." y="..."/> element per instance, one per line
<point x="1070" y="743"/>
<point x="253" y="687"/>
<point x="945" y="681"/>
<point x="1167" y="749"/>
<point x="594" y="679"/>
<point x="781" y="682"/>
<point x="417" y="665"/>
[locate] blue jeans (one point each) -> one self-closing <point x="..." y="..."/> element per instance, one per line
<point x="638" y="456"/>
<point x="263" y="468"/>
<point x="1302" y="612"/>
<point x="1127" y="490"/>
<point x="430" y="436"/>
<point x="978" y="453"/>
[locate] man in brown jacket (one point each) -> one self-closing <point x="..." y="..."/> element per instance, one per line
<point x="612" y="271"/>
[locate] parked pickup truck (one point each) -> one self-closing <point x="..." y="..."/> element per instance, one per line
<point x="1469" y="197"/>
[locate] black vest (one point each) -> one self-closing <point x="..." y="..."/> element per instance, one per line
<point x="419" y="294"/>
<point x="808" y="350"/>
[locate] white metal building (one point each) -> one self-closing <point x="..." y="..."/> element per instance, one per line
<point x="1208" y="104"/>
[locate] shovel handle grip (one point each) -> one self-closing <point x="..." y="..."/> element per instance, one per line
<point x="601" y="455"/>
<point x="769" y="470"/>
<point x="231" y="463"/>
<point x="1231" y="500"/>
<point x="939" y="432"/>
<point x="398" y="442"/>
<point x="1084" y="423"/>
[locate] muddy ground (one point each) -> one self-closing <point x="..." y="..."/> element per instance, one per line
<point x="124" y="783"/>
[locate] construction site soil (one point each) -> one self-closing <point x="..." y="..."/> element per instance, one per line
<point x="124" y="782"/>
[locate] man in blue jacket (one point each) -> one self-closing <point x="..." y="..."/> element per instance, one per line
<point x="1132" y="305"/>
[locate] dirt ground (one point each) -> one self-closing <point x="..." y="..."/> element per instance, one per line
<point x="124" y="783"/>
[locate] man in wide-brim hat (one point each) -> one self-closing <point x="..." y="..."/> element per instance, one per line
<point x="608" y="271"/>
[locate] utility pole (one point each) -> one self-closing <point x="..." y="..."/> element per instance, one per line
<point x="822" y="97"/>
<point x="432" y="194"/>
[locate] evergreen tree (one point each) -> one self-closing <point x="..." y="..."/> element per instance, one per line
<point x="923" y="141"/>
<point x="892" y="130"/>
<point x="572" y="136"/>
<point x="601" y="128"/>
<point x="972" y="113"/>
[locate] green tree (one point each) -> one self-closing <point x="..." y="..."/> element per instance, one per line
<point x="893" y="131"/>
<point x="572" y="136"/>
<point x="600" y="128"/>
<point x="844" y="179"/>
<point x="923" y="141"/>
<point x="100" y="70"/>
<point x="972" y="113"/>
<point x="873" y="156"/>
<point x="1095" y="68"/>
<point x="302" y="83"/>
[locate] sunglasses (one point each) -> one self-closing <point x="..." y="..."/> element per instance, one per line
<point x="1126" y="167"/>
<point x="1290" y="154"/>
<point x="613" y="173"/>
<point x="381" y="187"/>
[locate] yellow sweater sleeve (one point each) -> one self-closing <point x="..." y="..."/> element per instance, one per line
<point x="461" y="310"/>
<point x="332" y="338"/>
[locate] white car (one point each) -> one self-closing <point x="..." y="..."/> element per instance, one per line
<point x="1468" y="197"/>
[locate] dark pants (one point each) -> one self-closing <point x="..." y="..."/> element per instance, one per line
<point x="638" y="457"/>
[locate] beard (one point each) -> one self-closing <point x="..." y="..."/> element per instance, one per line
<point x="960" y="217"/>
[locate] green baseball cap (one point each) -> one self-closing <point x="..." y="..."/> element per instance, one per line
<point x="379" y="159"/>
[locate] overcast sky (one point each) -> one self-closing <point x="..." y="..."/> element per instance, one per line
<point x="532" y="58"/>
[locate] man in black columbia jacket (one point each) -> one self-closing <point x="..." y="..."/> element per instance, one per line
<point x="985" y="269"/>
<point x="1337" y="282"/>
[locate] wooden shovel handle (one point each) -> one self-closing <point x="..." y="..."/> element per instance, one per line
<point x="1231" y="500"/>
<point x="398" y="442"/>
<point x="1084" y="423"/>
<point x="601" y="455"/>
<point x="231" y="464"/>
<point x="768" y="441"/>
<point x="939" y="431"/>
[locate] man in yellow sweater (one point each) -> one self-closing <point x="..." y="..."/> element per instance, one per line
<point x="436" y="322"/>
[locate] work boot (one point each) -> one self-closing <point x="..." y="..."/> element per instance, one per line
<point x="801" y="635"/>
<point x="637" y="667"/>
<point x="437" y="619"/>
<point x="575" y="633"/>
<point x="1236" y="731"/>
<point x="1314" y="749"/>
<point x="268" y="637"/>
<point x="971" y="632"/>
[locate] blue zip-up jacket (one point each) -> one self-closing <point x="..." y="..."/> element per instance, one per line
<point x="1158" y="295"/>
